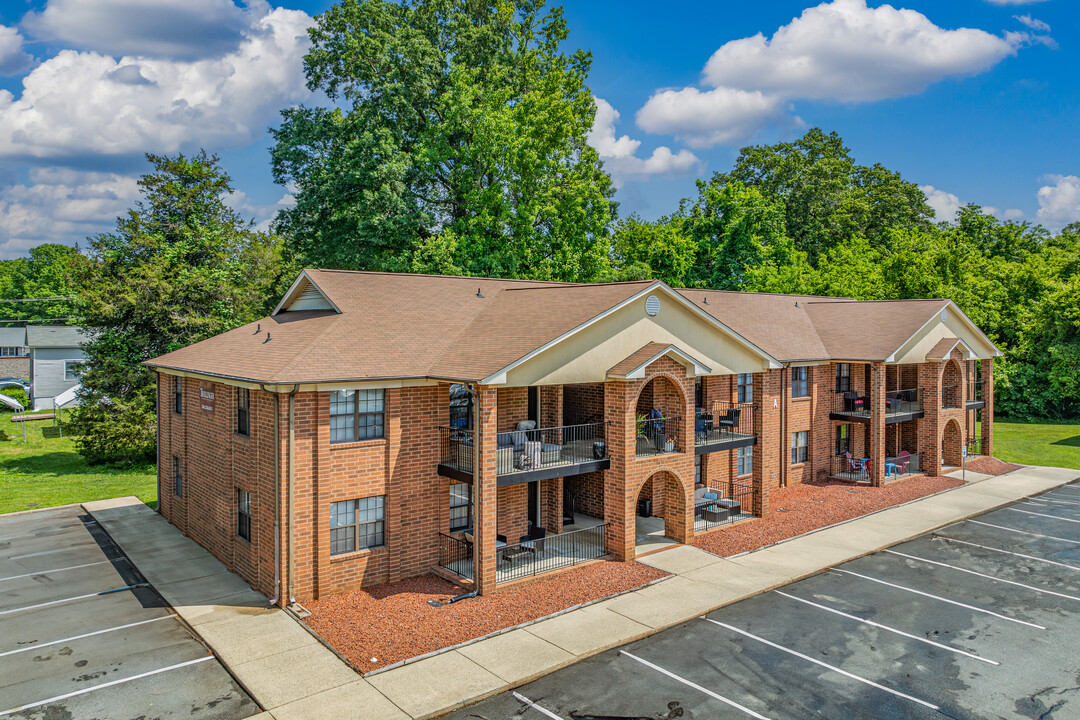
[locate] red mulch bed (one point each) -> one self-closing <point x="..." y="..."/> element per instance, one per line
<point x="991" y="465"/>
<point x="383" y="624"/>
<point x="808" y="506"/>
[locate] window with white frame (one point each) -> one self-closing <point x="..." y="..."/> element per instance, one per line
<point x="800" y="450"/>
<point x="356" y="415"/>
<point x="744" y="461"/>
<point x="178" y="477"/>
<point x="800" y="382"/>
<point x="357" y="524"/>
<point x="843" y="377"/>
<point x="460" y="506"/>
<point x="243" y="514"/>
<point x="15" y="351"/>
<point x="746" y="388"/>
<point x="71" y="369"/>
<point x="243" y="411"/>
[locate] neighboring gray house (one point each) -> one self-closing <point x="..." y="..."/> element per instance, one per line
<point x="14" y="355"/>
<point x="55" y="353"/>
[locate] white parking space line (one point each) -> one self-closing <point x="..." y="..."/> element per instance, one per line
<point x="920" y="638"/>
<point x="83" y="691"/>
<point x="699" y="688"/>
<point x="55" y="570"/>
<point x="84" y="635"/>
<point x="843" y="672"/>
<point x="71" y="599"/>
<point x="1047" y="505"/>
<point x="1054" y="501"/>
<point x="984" y="575"/>
<point x="1009" y="552"/>
<point x="1074" y="541"/>
<point x="537" y="707"/>
<point x="51" y="552"/>
<point x="941" y="599"/>
<point x="1052" y="517"/>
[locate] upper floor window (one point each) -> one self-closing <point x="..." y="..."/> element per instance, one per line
<point x="243" y="411"/>
<point x="356" y="415"/>
<point x="800" y="382"/>
<point x="243" y="514"/>
<point x="11" y="351"/>
<point x="460" y="506"/>
<point x="800" y="447"/>
<point x="843" y="377"/>
<point x="745" y="388"/>
<point x="178" y="394"/>
<point x="71" y="369"/>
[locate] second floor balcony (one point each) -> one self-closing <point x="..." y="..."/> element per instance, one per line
<point x="529" y="454"/>
<point x="724" y="426"/>
<point x="900" y="405"/>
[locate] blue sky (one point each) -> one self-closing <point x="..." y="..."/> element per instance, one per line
<point x="975" y="100"/>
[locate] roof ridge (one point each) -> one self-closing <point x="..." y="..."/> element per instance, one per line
<point x="447" y="277"/>
<point x="311" y="345"/>
<point x="767" y="294"/>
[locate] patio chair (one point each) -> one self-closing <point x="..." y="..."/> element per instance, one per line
<point x="854" y="403"/>
<point x="729" y="420"/>
<point x="703" y="424"/>
<point x="857" y="466"/>
<point x="902" y="461"/>
<point x="534" y="541"/>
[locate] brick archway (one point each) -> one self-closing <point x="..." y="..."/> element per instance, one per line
<point x="663" y="392"/>
<point x="952" y="442"/>
<point x="672" y="498"/>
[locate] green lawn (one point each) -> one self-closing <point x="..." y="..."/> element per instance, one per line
<point x="43" y="472"/>
<point x="1038" y="443"/>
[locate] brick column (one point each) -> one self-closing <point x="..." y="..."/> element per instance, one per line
<point x="770" y="448"/>
<point x="486" y="488"/>
<point x="988" y="411"/>
<point x="619" y="507"/>
<point x="877" y="423"/>
<point x="930" y="424"/>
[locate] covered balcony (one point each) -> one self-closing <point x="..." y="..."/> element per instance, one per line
<point x="527" y="454"/>
<point x="724" y="426"/>
<point x="900" y="405"/>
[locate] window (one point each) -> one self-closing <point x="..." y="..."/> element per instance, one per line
<point x="699" y="392"/>
<point x="744" y="461"/>
<point x="843" y="439"/>
<point x="461" y="407"/>
<point x="71" y="368"/>
<point x="11" y="351"/>
<point x="178" y="394"/>
<point x="356" y="524"/>
<point x="800" y="383"/>
<point x="356" y="415"/>
<point x="800" y="453"/>
<point x="745" y="388"/>
<point x="243" y="411"/>
<point x="843" y="377"/>
<point x="178" y="477"/>
<point x="697" y="470"/>
<point x="460" y="506"/>
<point x="243" y="514"/>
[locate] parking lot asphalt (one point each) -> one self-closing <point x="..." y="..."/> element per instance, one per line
<point x="82" y="635"/>
<point x="980" y="619"/>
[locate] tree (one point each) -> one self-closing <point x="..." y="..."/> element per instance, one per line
<point x="659" y="250"/>
<point x="452" y="117"/>
<point x="180" y="267"/>
<point x="827" y="196"/>
<point x="45" y="274"/>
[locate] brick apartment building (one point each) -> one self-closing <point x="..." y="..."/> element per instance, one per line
<point x="379" y="426"/>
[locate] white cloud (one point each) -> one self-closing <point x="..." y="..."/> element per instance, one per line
<point x="263" y="215"/>
<point x="1033" y="23"/>
<point x="620" y="153"/>
<point x="80" y="104"/>
<point x="178" y="29"/>
<point x="702" y="118"/>
<point x="1014" y="2"/>
<point x="840" y="51"/>
<point x="58" y="205"/>
<point x="13" y="59"/>
<point x="945" y="204"/>
<point x="1059" y="203"/>
<point x="1014" y="214"/>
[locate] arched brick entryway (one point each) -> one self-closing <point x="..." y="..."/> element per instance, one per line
<point x="671" y="498"/>
<point x="952" y="442"/>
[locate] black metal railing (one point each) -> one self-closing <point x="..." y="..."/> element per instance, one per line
<point x="723" y="421"/>
<point x="849" y="467"/>
<point x="903" y="464"/>
<point x="950" y="396"/>
<point x="974" y="391"/>
<point x="554" y="552"/>
<point x="524" y="450"/>
<point x="735" y="502"/>
<point x="456" y="555"/>
<point x="656" y="436"/>
<point x="897" y="402"/>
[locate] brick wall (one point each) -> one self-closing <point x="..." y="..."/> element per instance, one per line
<point x="513" y="407"/>
<point x="583" y="403"/>
<point x="588" y="492"/>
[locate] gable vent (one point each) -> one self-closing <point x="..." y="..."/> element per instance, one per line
<point x="310" y="298"/>
<point x="652" y="305"/>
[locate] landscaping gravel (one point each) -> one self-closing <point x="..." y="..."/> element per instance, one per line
<point x="808" y="506"/>
<point x="381" y="625"/>
<point x="991" y="465"/>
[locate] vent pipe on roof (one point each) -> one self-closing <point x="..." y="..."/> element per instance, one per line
<point x="796" y="303"/>
<point x="705" y="301"/>
<point x="267" y="337"/>
<point x="478" y="293"/>
<point x="258" y="328"/>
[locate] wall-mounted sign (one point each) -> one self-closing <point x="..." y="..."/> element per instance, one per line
<point x="206" y="397"/>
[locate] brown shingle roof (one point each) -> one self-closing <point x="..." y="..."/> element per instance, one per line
<point x="942" y="348"/>
<point x="869" y="330"/>
<point x="636" y="358"/>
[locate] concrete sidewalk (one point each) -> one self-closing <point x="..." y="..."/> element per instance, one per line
<point x="291" y="675"/>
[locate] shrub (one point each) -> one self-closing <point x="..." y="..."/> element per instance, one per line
<point x="116" y="432"/>
<point x="16" y="393"/>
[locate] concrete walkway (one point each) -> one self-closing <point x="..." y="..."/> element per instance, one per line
<point x="291" y="675"/>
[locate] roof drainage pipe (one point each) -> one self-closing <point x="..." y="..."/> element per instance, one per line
<point x="277" y="493"/>
<point x="289" y="542"/>
<point x="785" y="384"/>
